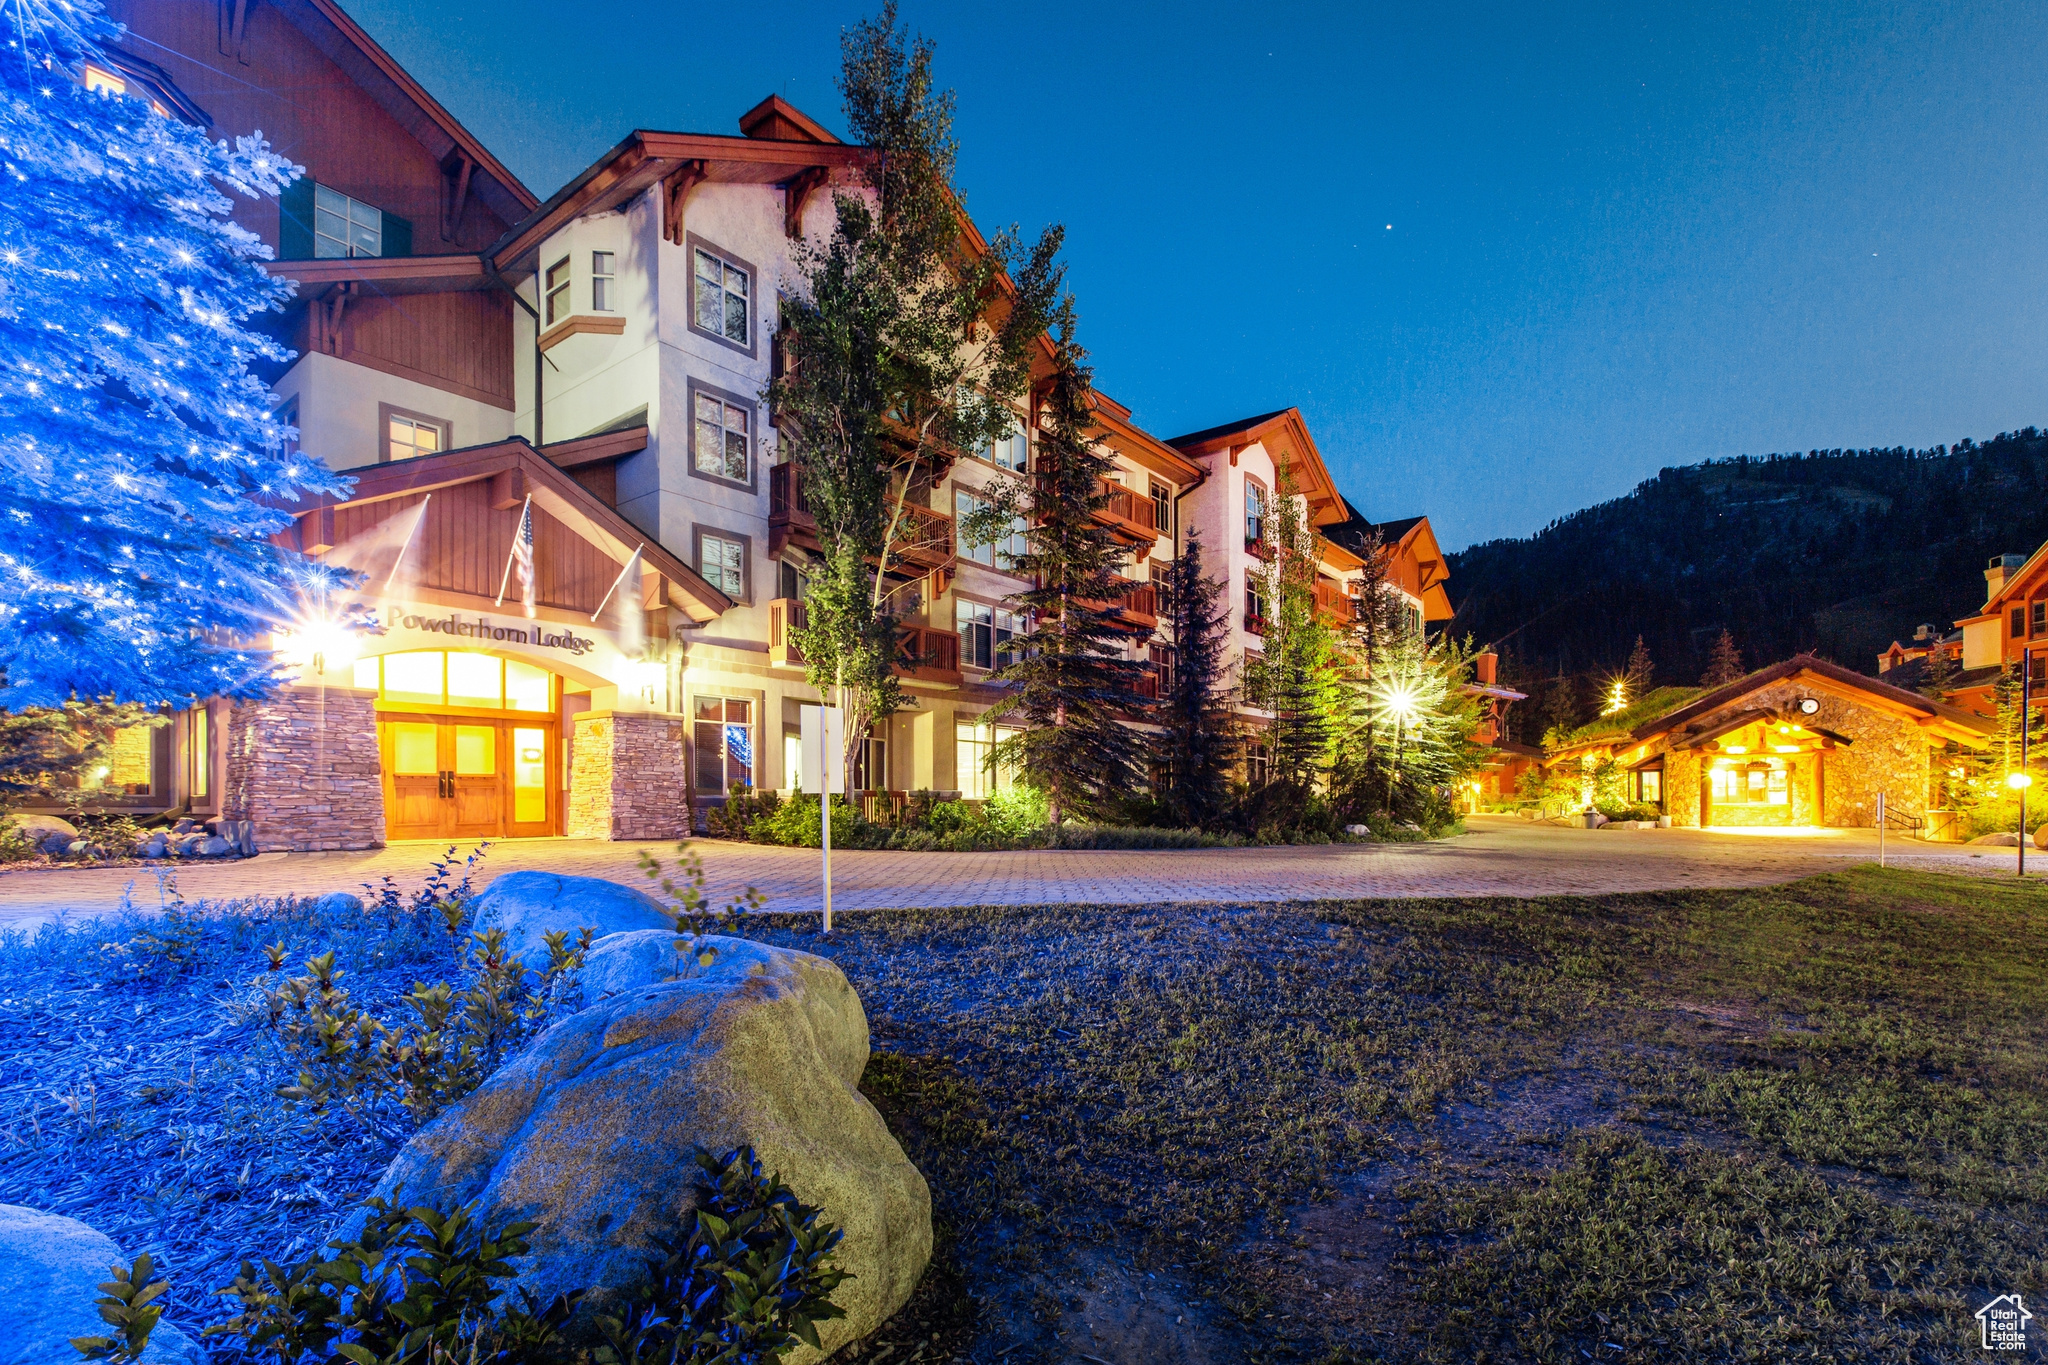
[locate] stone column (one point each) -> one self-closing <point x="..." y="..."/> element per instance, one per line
<point x="302" y="767"/>
<point x="628" y="780"/>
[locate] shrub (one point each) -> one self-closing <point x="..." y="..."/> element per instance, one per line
<point x="794" y="824"/>
<point x="127" y="1303"/>
<point x="689" y="908"/>
<point x="743" y="806"/>
<point x="390" y="1077"/>
<point x="753" y="1278"/>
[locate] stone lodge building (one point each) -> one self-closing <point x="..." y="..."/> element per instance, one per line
<point x="1802" y="743"/>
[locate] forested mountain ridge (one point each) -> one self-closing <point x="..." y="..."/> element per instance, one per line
<point x="1834" y="551"/>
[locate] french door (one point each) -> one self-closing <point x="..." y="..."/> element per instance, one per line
<point x="459" y="777"/>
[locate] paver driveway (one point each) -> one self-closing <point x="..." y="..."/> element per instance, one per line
<point x="1498" y="857"/>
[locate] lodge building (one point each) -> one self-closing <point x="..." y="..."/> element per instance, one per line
<point x="581" y="556"/>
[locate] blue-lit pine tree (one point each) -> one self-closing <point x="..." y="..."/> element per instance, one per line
<point x="144" y="470"/>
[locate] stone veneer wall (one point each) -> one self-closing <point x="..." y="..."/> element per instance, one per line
<point x="303" y="768"/>
<point x="1889" y="754"/>
<point x="627" y="778"/>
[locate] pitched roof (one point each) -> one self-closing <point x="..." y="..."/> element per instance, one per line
<point x="1286" y="437"/>
<point x="344" y="43"/>
<point x="1948" y="721"/>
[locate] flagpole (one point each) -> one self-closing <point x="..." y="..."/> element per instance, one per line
<point x="393" y="575"/>
<point x="616" y="581"/>
<point x="519" y="531"/>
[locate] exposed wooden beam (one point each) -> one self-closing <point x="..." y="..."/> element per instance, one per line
<point x="675" y="187"/>
<point x="316" y="532"/>
<point x="508" y="488"/>
<point x="796" y="192"/>
<point x="456" y="196"/>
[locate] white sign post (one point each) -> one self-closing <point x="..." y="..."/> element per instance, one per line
<point x="823" y="731"/>
<point x="1880" y="829"/>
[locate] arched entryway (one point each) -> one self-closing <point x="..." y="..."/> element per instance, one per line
<point x="469" y="744"/>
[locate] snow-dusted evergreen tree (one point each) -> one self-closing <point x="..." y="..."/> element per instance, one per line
<point x="144" y="470"/>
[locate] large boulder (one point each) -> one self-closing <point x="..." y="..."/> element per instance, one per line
<point x="51" y="1268"/>
<point x="50" y="833"/>
<point x="2000" y="839"/>
<point x="590" y="1132"/>
<point x="528" y="906"/>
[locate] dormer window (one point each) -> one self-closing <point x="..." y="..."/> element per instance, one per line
<point x="345" y="227"/>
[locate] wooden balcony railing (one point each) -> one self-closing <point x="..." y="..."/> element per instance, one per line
<point x="1148" y="683"/>
<point x="784" y="612"/>
<point x="1128" y="513"/>
<point x="928" y="655"/>
<point x="1136" y="607"/>
<point x="1333" y="601"/>
<point x="924" y="541"/>
<point x="924" y="654"/>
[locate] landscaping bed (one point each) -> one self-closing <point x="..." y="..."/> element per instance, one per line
<point x="1754" y="1125"/>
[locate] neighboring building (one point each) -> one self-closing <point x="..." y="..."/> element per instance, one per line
<point x="2013" y="621"/>
<point x="1926" y="644"/>
<point x="571" y="395"/>
<point x="1801" y="743"/>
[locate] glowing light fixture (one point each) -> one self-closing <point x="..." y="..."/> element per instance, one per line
<point x="318" y="642"/>
<point x="2019" y="781"/>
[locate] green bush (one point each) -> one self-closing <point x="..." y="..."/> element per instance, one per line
<point x="752" y="1279"/>
<point x="793" y="823"/>
<point x="743" y="806"/>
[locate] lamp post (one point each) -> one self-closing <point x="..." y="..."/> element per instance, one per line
<point x="2024" y="779"/>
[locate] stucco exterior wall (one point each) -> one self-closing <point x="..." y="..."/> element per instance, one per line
<point x="338" y="410"/>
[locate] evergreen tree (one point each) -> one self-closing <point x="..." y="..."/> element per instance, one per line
<point x="1561" y="711"/>
<point x="1294" y="676"/>
<point x="1938" y="674"/>
<point x="1072" y="684"/>
<point x="1640" y="669"/>
<point x="1196" y="746"/>
<point x="894" y="360"/>
<point x="1724" y="665"/>
<point x="145" y="471"/>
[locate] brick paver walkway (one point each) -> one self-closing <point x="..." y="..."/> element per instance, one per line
<point x="1499" y="857"/>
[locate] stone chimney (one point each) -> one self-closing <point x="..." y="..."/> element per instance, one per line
<point x="1485" y="667"/>
<point x="2001" y="567"/>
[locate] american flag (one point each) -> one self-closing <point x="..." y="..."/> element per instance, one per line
<point x="522" y="556"/>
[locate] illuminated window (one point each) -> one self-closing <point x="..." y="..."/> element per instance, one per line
<point x="457" y="678"/>
<point x="199" y="753"/>
<point x="115" y="83"/>
<point x="602" y="280"/>
<point x="1650" y="787"/>
<point x="345" y="227"/>
<point x="722" y="294"/>
<point x="558" y="291"/>
<point x="407" y="437"/>
<point x="974" y="746"/>
<point x="723" y="728"/>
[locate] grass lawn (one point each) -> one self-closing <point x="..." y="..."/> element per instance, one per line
<point x="1806" y="1122"/>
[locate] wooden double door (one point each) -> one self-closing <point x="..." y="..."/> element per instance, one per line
<point x="469" y="777"/>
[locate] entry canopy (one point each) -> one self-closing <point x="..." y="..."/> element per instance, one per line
<point x="516" y="471"/>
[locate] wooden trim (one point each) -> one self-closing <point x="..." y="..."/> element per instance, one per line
<point x="796" y="193"/>
<point x="442" y="272"/>
<point x="577" y="323"/>
<point x="585" y="450"/>
<point x="432" y="381"/>
<point x="675" y="192"/>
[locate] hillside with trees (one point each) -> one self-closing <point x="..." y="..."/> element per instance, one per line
<point x="1834" y="551"/>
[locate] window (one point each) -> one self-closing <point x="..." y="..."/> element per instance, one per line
<point x="558" y="291"/>
<point x="457" y="678"/>
<point x="1162" y="664"/>
<point x="1650" y="786"/>
<point x="345" y="227"/>
<point x="1254" y="512"/>
<point x="1254" y="601"/>
<point x="408" y="435"/>
<point x="870" y="767"/>
<point x="602" y="281"/>
<point x="724" y="734"/>
<point x="117" y="83"/>
<point x="721" y="298"/>
<point x="1013" y="452"/>
<point x="1000" y="553"/>
<point x="1258" y="764"/>
<point x="792" y="582"/>
<point x="2019" y="622"/>
<point x="2037" y="618"/>
<point x="986" y="633"/>
<point x="1162" y="508"/>
<point x="1753" y="785"/>
<point x="974" y="746"/>
<point x="199" y="753"/>
<point x="723" y="562"/>
<point x="721" y="437"/>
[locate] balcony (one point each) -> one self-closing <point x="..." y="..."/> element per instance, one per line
<point x="1135" y="608"/>
<point x="924" y="541"/>
<point x="1333" y="602"/>
<point x="925" y="655"/>
<point x="1131" y="515"/>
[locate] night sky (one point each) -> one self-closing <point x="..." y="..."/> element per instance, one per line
<point x="1508" y="259"/>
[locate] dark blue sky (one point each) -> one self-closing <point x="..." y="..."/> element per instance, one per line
<point x="1620" y="240"/>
